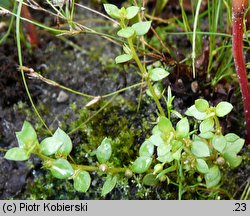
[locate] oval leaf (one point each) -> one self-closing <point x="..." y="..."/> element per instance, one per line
<point x="141" y="164"/>
<point x="232" y="159"/>
<point x="61" y="169"/>
<point x="16" y="154"/>
<point x="126" y="32"/>
<point x="201" y="105"/>
<point x="27" y="137"/>
<point x="66" y="146"/>
<point x="156" y="139"/>
<point x="132" y="12"/>
<point x="234" y="147"/>
<point x="146" y="149"/>
<point x="123" y="58"/>
<point x="141" y="28"/>
<point x="109" y="184"/>
<point x="219" y="143"/>
<point x="104" y="151"/>
<point x="150" y="180"/>
<point x="200" y="149"/>
<point x="182" y="128"/>
<point x="202" y="166"/>
<point x="207" y="125"/>
<point x="50" y="145"/>
<point x="223" y="108"/>
<point x="165" y="125"/>
<point x="82" y="181"/>
<point x="213" y="177"/>
<point x="158" y="74"/>
<point x="112" y="10"/>
<point x="192" y="111"/>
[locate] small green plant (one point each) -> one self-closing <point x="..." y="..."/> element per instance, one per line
<point x="203" y="151"/>
<point x="189" y="154"/>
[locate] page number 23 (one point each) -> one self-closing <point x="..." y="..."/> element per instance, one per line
<point x="240" y="207"/>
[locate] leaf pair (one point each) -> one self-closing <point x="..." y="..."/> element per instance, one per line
<point x="59" y="144"/>
<point x="27" y="141"/>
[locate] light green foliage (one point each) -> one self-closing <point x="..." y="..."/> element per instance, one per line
<point x="123" y="58"/>
<point x="126" y="32"/>
<point x="16" y="154"/>
<point x="50" y="146"/>
<point x="141" y="164"/>
<point x="82" y="181"/>
<point x="213" y="177"/>
<point x="112" y="10"/>
<point x="223" y="108"/>
<point x="109" y="184"/>
<point x="141" y="28"/>
<point x="131" y="12"/>
<point x="104" y="151"/>
<point x="200" y="149"/>
<point x="61" y="168"/>
<point x="27" y="137"/>
<point x="158" y="74"/>
<point x="66" y="147"/>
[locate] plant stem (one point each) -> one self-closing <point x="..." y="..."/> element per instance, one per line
<point x="180" y="177"/>
<point x="145" y="74"/>
<point x="239" y="7"/>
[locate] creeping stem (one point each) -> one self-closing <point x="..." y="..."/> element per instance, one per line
<point x="238" y="9"/>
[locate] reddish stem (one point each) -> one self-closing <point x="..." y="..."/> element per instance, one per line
<point x="30" y="28"/>
<point x="239" y="7"/>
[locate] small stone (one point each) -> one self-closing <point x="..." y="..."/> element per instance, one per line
<point x="62" y="97"/>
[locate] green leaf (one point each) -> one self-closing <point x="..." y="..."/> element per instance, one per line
<point x="141" y="28"/>
<point x="202" y="166"/>
<point x="27" y="137"/>
<point x="112" y="10"/>
<point x="163" y="149"/>
<point x="66" y="147"/>
<point x="82" y="181"/>
<point x="200" y="149"/>
<point x="182" y="128"/>
<point x="150" y="180"/>
<point x="132" y="11"/>
<point x="213" y="177"/>
<point x="207" y="135"/>
<point x="234" y="147"/>
<point x="165" y="125"/>
<point x="207" y="125"/>
<point x="50" y="145"/>
<point x="201" y="105"/>
<point x="16" y="154"/>
<point x="232" y="159"/>
<point x="141" y="164"/>
<point x="158" y="88"/>
<point x="158" y="74"/>
<point x="109" y="184"/>
<point x="156" y="139"/>
<point x="104" y="151"/>
<point x="177" y="155"/>
<point x="127" y="32"/>
<point x="123" y="58"/>
<point x="164" y="153"/>
<point x="146" y="149"/>
<point x="192" y="111"/>
<point x="219" y="143"/>
<point x="231" y="137"/>
<point x="223" y="108"/>
<point x="61" y="169"/>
